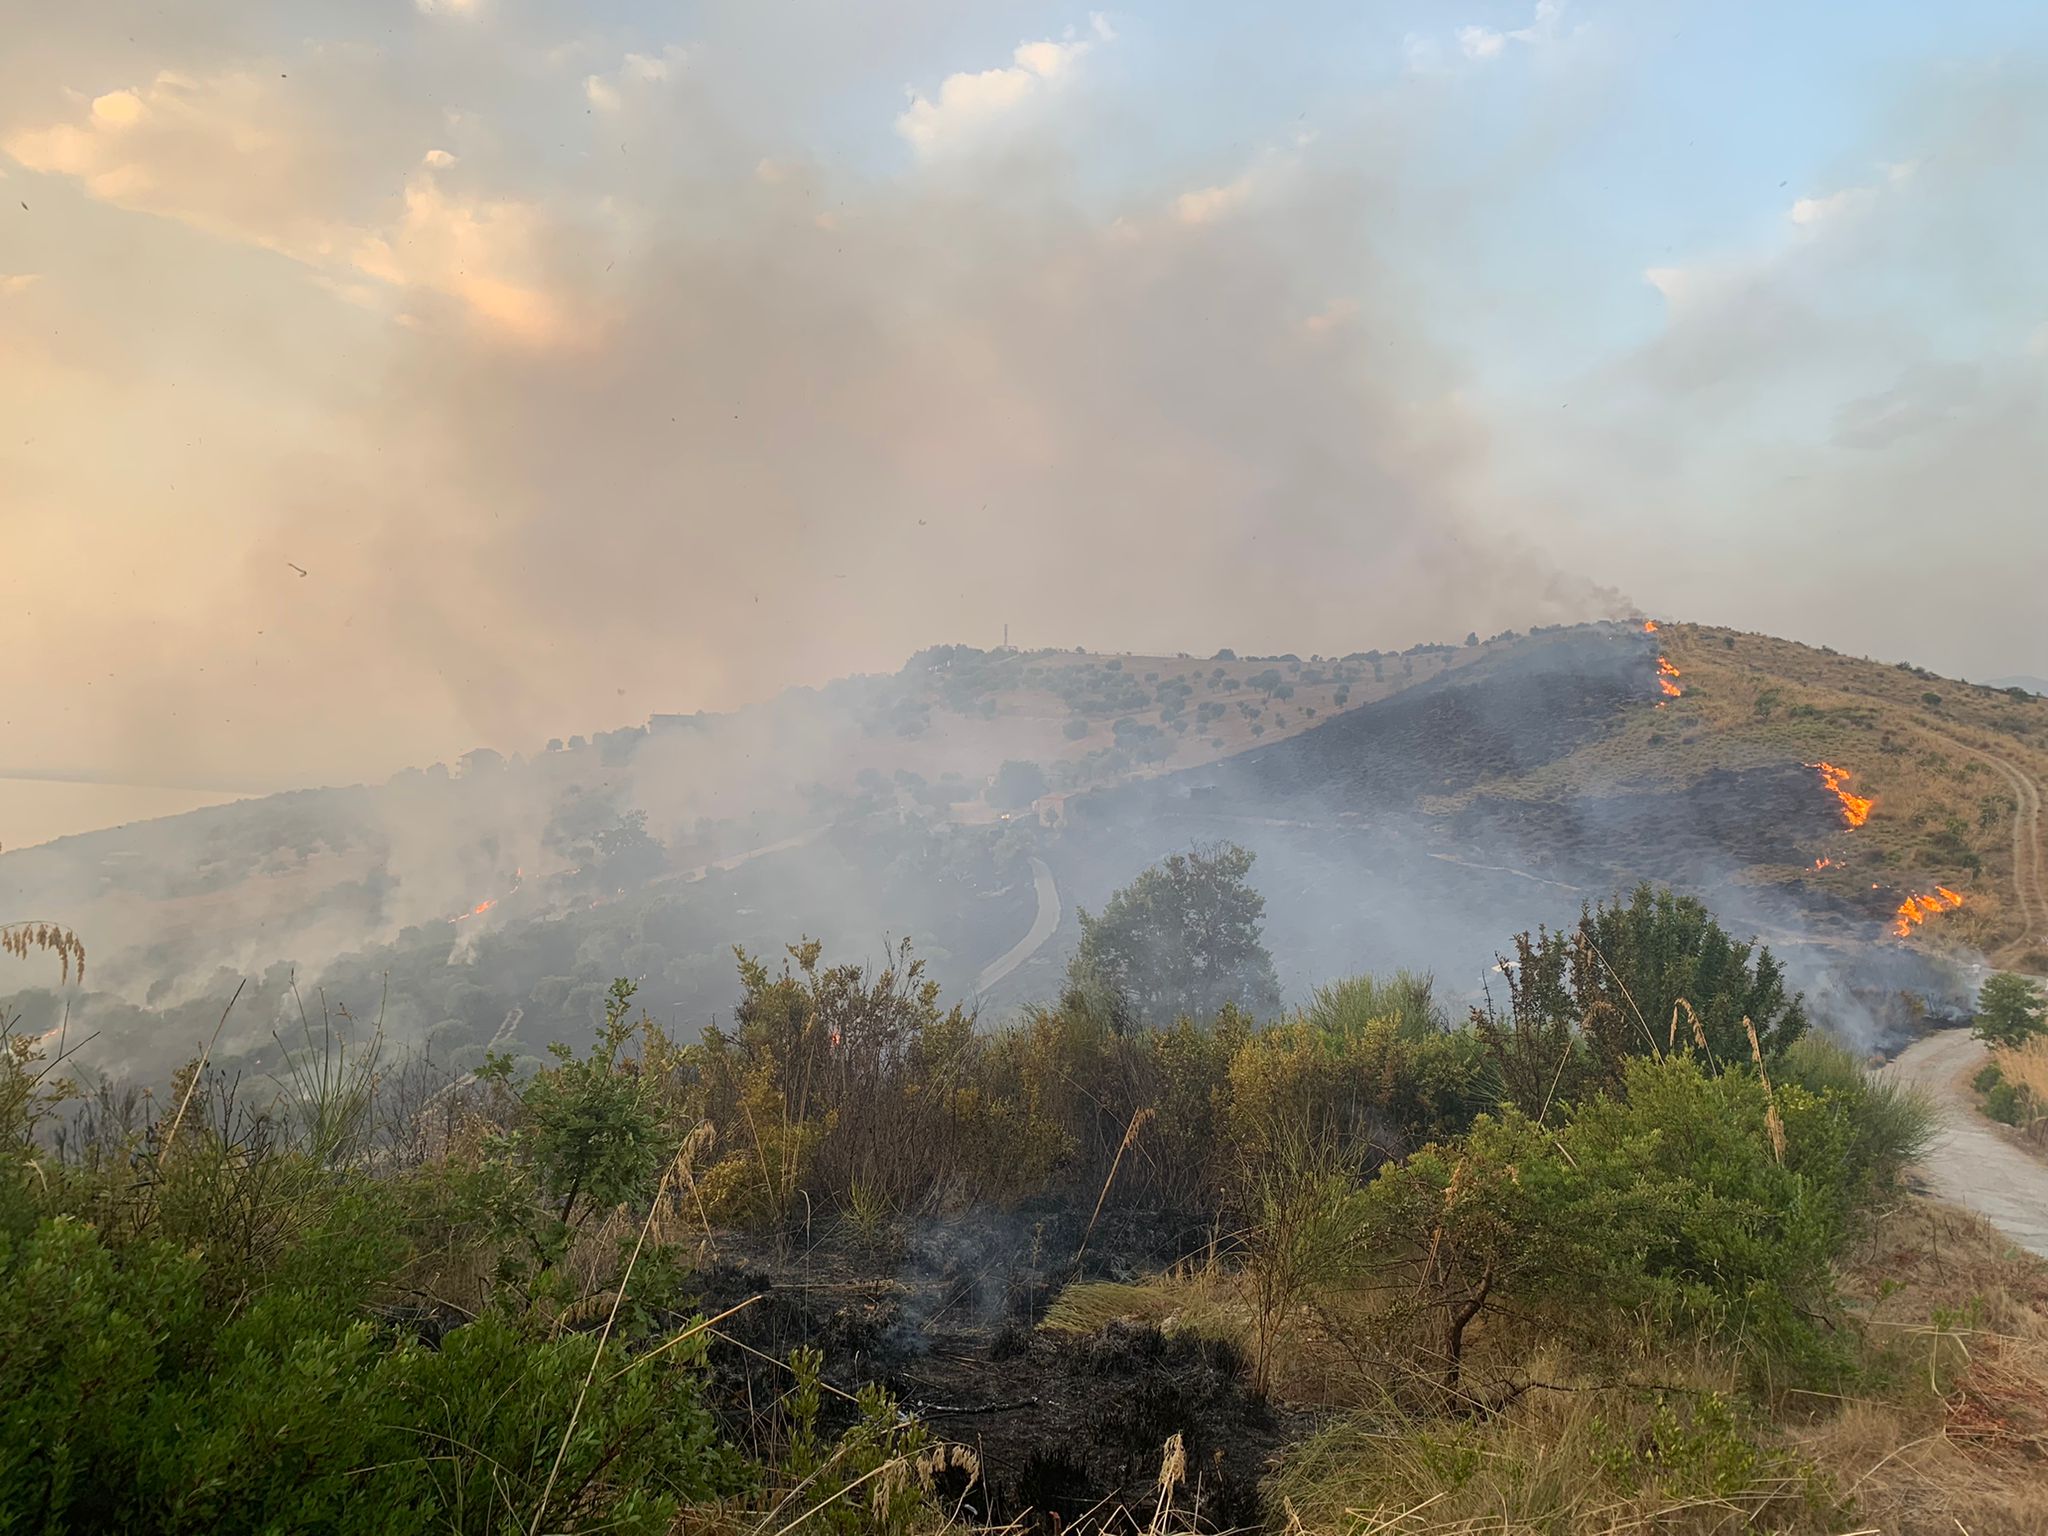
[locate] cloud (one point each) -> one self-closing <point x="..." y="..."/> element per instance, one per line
<point x="1207" y="204"/>
<point x="482" y="253"/>
<point x="242" y="158"/>
<point x="18" y="282"/>
<point x="968" y="104"/>
<point x="1851" y="397"/>
<point x="1481" y="44"/>
<point x="1808" y="211"/>
<point x="609" y="93"/>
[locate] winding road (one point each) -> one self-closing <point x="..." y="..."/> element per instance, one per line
<point x="1042" y="927"/>
<point x="1971" y="1163"/>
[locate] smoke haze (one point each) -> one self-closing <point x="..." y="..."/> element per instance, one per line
<point x="591" y="365"/>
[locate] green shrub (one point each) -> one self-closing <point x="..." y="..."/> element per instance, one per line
<point x="2003" y="1103"/>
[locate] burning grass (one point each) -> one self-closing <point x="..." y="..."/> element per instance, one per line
<point x="1855" y="808"/>
<point x="1926" y="793"/>
<point x="1919" y="907"/>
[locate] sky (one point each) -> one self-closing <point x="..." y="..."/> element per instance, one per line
<point x="387" y="378"/>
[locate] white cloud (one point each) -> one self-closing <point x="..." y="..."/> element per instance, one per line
<point x="1809" y="211"/>
<point x="448" y="7"/>
<point x="437" y="159"/>
<point x="968" y="103"/>
<point x="1483" y="43"/>
<point x="1676" y="284"/>
<point x="1206" y="205"/>
<point x="608" y="93"/>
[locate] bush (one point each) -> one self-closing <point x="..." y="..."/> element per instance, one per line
<point x="2002" y="1103"/>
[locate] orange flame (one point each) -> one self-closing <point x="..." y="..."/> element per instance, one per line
<point x="1823" y="863"/>
<point x="518" y="878"/>
<point x="1916" y="909"/>
<point x="1665" y="673"/>
<point x="1855" y="808"/>
<point x="1649" y="626"/>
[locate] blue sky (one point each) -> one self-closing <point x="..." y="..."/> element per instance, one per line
<point x="611" y="358"/>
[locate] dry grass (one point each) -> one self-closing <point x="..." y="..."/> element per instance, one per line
<point x="2026" y="1068"/>
<point x="1947" y="1420"/>
<point x="1954" y="1425"/>
<point x="1754" y="701"/>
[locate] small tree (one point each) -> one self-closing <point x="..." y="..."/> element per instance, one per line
<point x="2011" y="1010"/>
<point x="1180" y="941"/>
<point x="1017" y="784"/>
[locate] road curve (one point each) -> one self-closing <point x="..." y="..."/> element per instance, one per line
<point x="1971" y="1163"/>
<point x="1042" y="927"/>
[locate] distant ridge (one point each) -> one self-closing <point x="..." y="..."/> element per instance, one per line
<point x="2031" y="684"/>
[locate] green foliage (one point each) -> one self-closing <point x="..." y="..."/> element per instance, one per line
<point x="1889" y="1125"/>
<point x="127" y="1402"/>
<point x="2011" y="1010"/>
<point x="1665" y="1201"/>
<point x="1182" y="940"/>
<point x="1637" y="978"/>
<point x="1987" y="1077"/>
<point x="2002" y="1103"/>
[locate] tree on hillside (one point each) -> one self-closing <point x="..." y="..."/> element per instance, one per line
<point x="1180" y="941"/>
<point x="1016" y="785"/>
<point x="2011" y="1010"/>
<point x="1653" y="974"/>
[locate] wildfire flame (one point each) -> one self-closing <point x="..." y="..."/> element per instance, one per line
<point x="1649" y="626"/>
<point x="1855" y="808"/>
<point x="518" y="879"/>
<point x="1823" y="863"/>
<point x="1916" y="909"/>
<point x="1665" y="673"/>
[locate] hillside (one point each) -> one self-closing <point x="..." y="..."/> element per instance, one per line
<point x="1411" y="808"/>
<point x="1952" y="772"/>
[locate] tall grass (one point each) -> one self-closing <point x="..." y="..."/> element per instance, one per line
<point x="2024" y="1068"/>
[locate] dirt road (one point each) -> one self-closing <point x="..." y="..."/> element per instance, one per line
<point x="1971" y="1164"/>
<point x="1042" y="927"/>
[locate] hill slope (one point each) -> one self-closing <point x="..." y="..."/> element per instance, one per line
<point x="1407" y="808"/>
